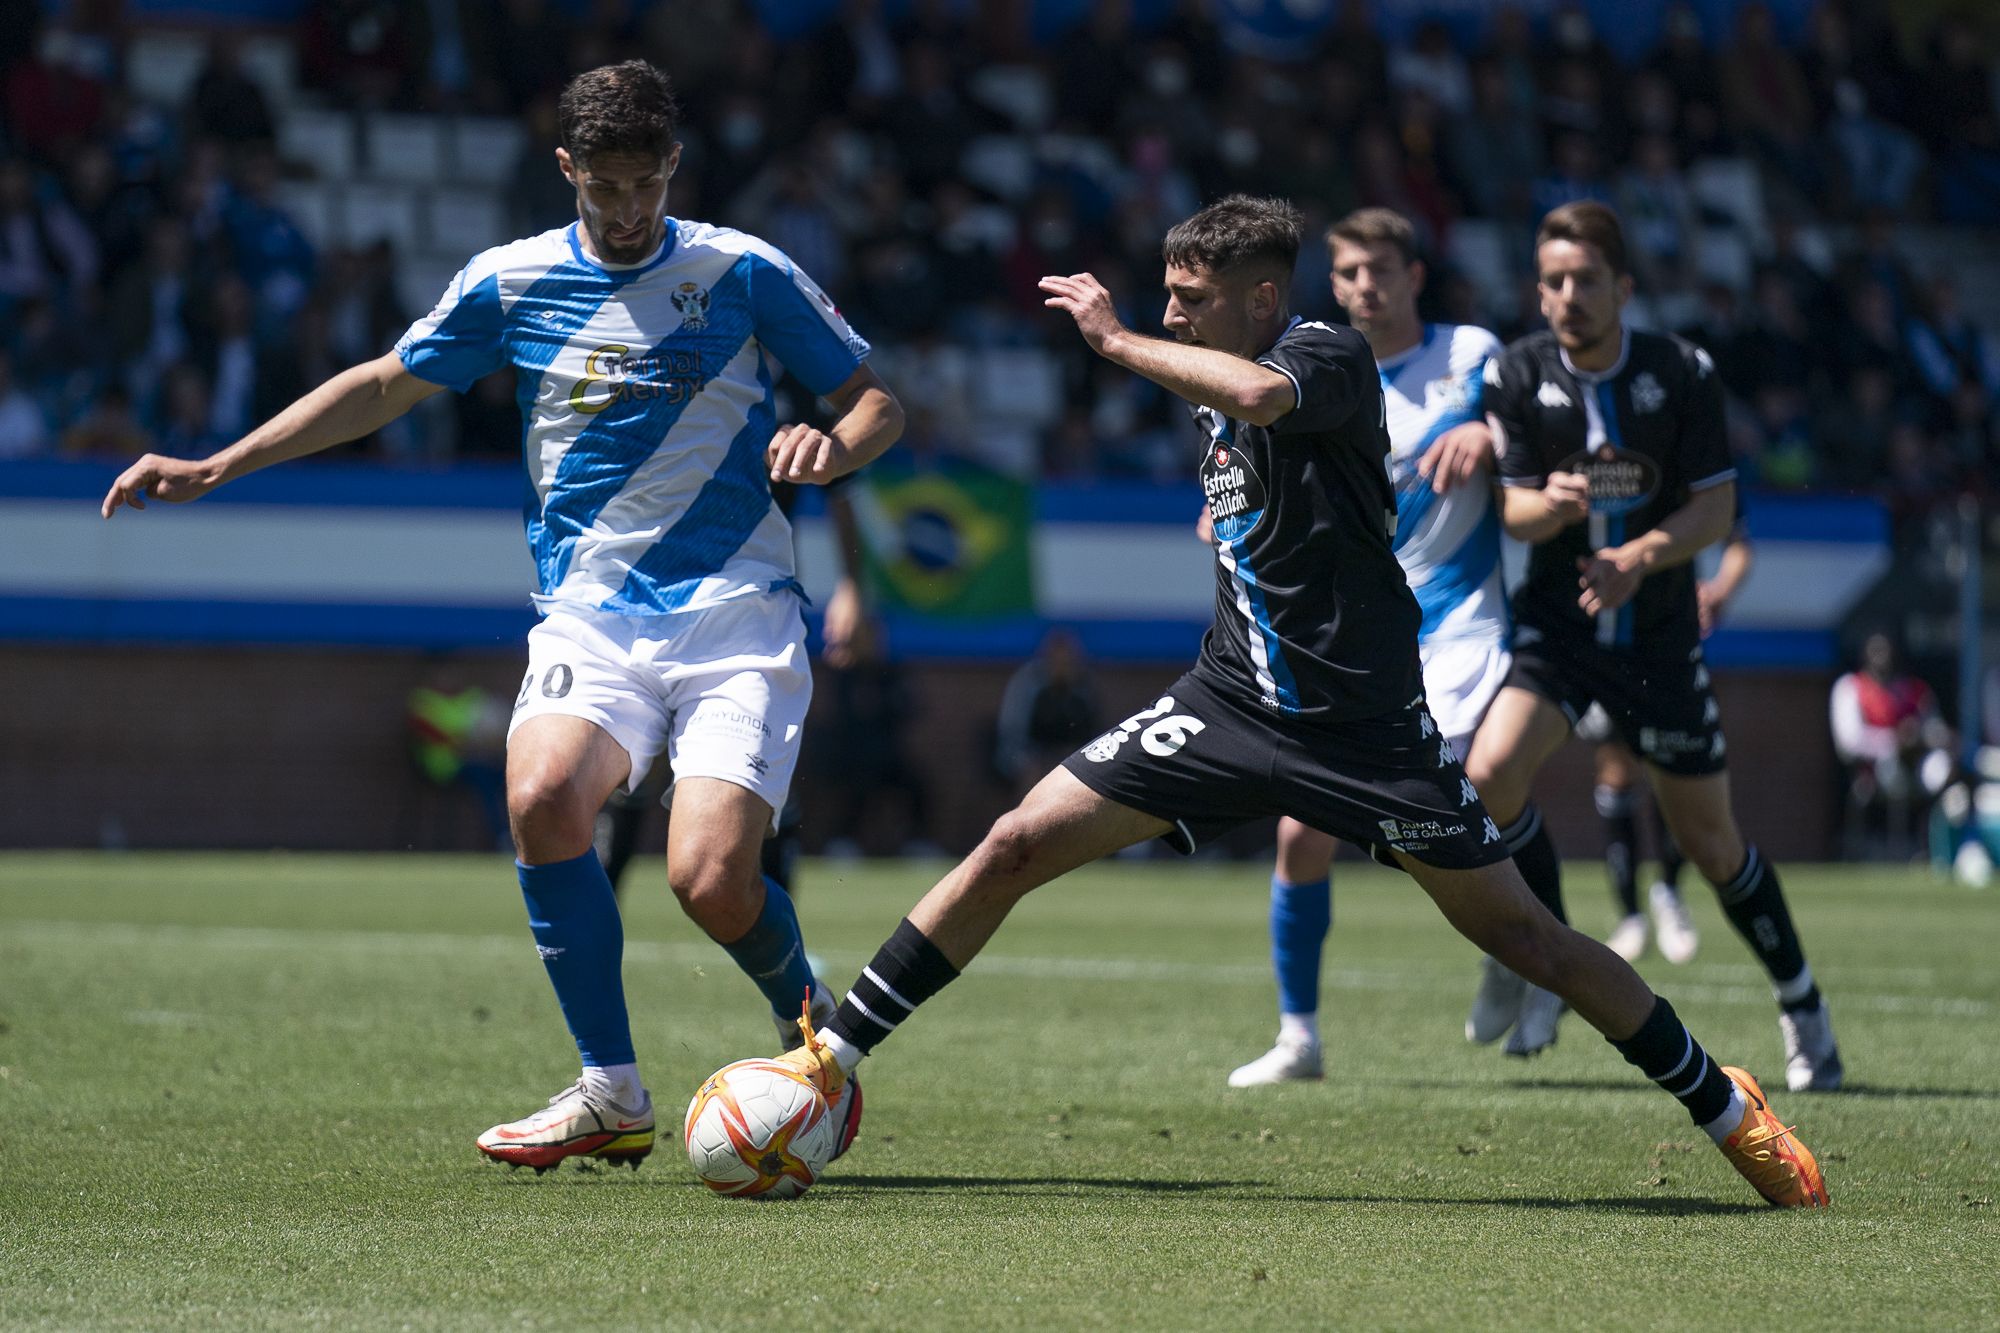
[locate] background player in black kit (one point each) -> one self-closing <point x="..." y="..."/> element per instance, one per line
<point x="1306" y="699"/>
<point x="1613" y="461"/>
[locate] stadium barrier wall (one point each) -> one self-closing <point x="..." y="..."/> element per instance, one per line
<point x="234" y="673"/>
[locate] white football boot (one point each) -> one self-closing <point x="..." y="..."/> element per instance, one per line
<point x="1294" y="1058"/>
<point x="844" y="1104"/>
<point x="1812" y="1058"/>
<point x="1541" y="1010"/>
<point x="1497" y="1005"/>
<point x="577" y="1122"/>
<point x="1628" y="938"/>
<point x="1672" y="927"/>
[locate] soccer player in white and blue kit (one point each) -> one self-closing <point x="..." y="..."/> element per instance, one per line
<point x="1448" y="543"/>
<point x="646" y="349"/>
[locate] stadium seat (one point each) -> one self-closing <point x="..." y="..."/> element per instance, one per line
<point x="315" y="206"/>
<point x="1480" y="250"/>
<point x="161" y="65"/>
<point x="466" y="217"/>
<point x="405" y="148"/>
<point x="273" y="61"/>
<point x="1723" y="255"/>
<point x="1002" y="164"/>
<point x="373" y="212"/>
<point x="484" y="150"/>
<point x="321" y="141"/>
<point x="1729" y="188"/>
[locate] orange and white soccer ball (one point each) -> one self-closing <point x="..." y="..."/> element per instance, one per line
<point x="757" y="1129"/>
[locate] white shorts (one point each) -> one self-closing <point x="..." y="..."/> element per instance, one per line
<point x="1461" y="676"/>
<point x="723" y="690"/>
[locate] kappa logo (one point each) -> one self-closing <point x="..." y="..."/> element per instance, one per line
<point x="1552" y="395"/>
<point x="1489" y="831"/>
<point x="545" y="953"/>
<point x="1466" y="794"/>
<point x="1647" y="395"/>
<point x="691" y="299"/>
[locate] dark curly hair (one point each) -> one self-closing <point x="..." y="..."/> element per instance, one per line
<point x="623" y="108"/>
<point x="1237" y="229"/>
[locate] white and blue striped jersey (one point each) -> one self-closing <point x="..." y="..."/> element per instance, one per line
<point x="646" y="395"/>
<point x="1449" y="544"/>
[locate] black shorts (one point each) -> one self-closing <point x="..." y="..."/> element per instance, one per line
<point x="1661" y="706"/>
<point x="1206" y="764"/>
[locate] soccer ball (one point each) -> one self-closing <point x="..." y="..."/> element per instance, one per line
<point x="757" y="1129"/>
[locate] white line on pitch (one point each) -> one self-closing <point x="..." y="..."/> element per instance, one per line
<point x="694" y="953"/>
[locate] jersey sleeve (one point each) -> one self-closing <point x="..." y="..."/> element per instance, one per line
<point x="1704" y="442"/>
<point x="1472" y="350"/>
<point x="459" y="341"/>
<point x="1505" y="397"/>
<point x="1328" y="377"/>
<point x="801" y="325"/>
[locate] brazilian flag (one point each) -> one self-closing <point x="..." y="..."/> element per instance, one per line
<point x="948" y="538"/>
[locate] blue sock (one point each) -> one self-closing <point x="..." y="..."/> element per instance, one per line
<point x="1301" y="914"/>
<point x="773" y="954"/>
<point x="574" y="916"/>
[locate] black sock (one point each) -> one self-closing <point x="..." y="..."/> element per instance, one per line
<point x="1671" y="859"/>
<point x="1527" y="840"/>
<point x="907" y="970"/>
<point x="1756" y="907"/>
<point x="1667" y="1053"/>
<point x="1621" y="844"/>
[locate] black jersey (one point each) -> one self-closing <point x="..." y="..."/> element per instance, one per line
<point x="1648" y="433"/>
<point x="1313" y="618"/>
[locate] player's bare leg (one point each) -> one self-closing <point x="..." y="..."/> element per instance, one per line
<point x="1520" y="731"/>
<point x="560" y="771"/>
<point x="715" y="846"/>
<point x="1060" y="825"/>
<point x="1699" y="815"/>
<point x="1301" y="914"/>
<point x="1492" y="907"/>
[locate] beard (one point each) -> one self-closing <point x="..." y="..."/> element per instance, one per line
<point x="613" y="253"/>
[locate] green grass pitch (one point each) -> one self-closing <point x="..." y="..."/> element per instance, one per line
<point x="241" y="1091"/>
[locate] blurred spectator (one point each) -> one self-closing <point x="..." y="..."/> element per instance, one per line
<point x="1494" y="152"/>
<point x="227" y="105"/>
<point x="1853" y="430"/>
<point x="457" y="734"/>
<point x="54" y="94"/>
<point x="1431" y="65"/>
<point x="365" y="52"/>
<point x="1887" y="730"/>
<point x="188" y="430"/>
<point x="1653" y="199"/>
<point x="270" y="251"/>
<point x="1572" y="175"/>
<point x="1765" y="99"/>
<point x="147" y="311"/>
<point x="1955" y="110"/>
<point x="228" y="354"/>
<point x="1949" y="351"/>
<point x="861" y="742"/>
<point x="108" y="429"/>
<point x="24" y="432"/>
<point x="45" y="250"/>
<point x="1049" y="708"/>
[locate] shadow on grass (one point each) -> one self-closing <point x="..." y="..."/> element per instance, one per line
<point x="1255" y="1191"/>
<point x="1637" y="1085"/>
<point x="1025" y="1184"/>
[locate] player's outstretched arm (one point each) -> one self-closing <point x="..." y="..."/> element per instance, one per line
<point x="354" y="403"/>
<point x="1713" y="596"/>
<point x="868" y="419"/>
<point x="1233" y="385"/>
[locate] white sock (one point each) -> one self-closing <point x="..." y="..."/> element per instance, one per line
<point x="619" y="1083"/>
<point x="1725" y="1124"/>
<point x="845" y="1053"/>
<point x="1790" y="992"/>
<point x="1302" y="1028"/>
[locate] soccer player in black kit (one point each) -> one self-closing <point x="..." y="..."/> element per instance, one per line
<point x="1614" y="464"/>
<point x="1306" y="699"/>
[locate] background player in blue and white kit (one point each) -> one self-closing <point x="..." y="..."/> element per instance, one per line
<point x="646" y="350"/>
<point x="1447" y="540"/>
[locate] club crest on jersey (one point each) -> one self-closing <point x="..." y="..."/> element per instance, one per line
<point x="1647" y="394"/>
<point x="1620" y="480"/>
<point x="691" y="299"/>
<point x="1552" y="395"/>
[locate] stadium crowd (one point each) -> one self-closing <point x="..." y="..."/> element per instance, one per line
<point x="156" y="293"/>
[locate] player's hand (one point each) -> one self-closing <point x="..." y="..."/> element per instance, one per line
<point x="1608" y="579"/>
<point x="1204" y="527"/>
<point x="153" y="477"/>
<point x="804" y="454"/>
<point x="1089" y="304"/>
<point x="1567" y="494"/>
<point x="1709" y="605"/>
<point x="846" y="630"/>
<point x="1459" y="455"/>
